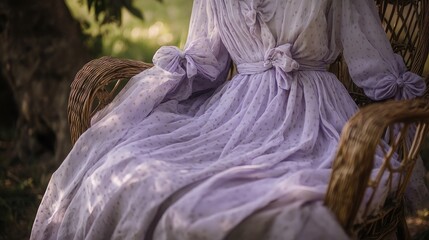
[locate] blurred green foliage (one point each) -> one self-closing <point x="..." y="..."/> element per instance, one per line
<point x="162" y="23"/>
<point x="106" y="11"/>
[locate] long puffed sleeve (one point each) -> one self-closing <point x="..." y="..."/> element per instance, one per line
<point x="177" y="74"/>
<point x="372" y="63"/>
<point x="204" y="61"/>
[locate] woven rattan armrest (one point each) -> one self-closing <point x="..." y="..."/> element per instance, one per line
<point x="355" y="155"/>
<point x="92" y="85"/>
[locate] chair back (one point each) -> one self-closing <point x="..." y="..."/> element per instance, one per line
<point x="406" y="23"/>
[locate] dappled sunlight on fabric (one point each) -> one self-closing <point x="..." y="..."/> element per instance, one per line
<point x="162" y="181"/>
<point x="117" y="181"/>
<point x="108" y="122"/>
<point x="93" y="203"/>
<point x="56" y="206"/>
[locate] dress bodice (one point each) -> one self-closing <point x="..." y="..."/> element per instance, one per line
<point x="293" y="31"/>
<point x="259" y="35"/>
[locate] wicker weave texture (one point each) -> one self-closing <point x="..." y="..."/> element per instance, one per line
<point x="406" y="24"/>
<point x="90" y="87"/>
<point x="355" y="156"/>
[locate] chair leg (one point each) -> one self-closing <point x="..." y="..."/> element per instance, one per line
<point x="402" y="231"/>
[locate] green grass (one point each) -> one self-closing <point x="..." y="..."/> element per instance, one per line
<point x="22" y="185"/>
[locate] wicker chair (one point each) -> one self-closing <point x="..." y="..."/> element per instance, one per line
<point x="406" y="24"/>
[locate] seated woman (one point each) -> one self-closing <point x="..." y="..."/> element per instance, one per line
<point x="181" y="153"/>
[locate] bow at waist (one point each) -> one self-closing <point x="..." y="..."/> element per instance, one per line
<point x="261" y="66"/>
<point x="279" y="59"/>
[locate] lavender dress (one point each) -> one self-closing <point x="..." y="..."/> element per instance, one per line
<point x="182" y="153"/>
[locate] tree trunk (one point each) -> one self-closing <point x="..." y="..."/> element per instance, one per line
<point x="41" y="50"/>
